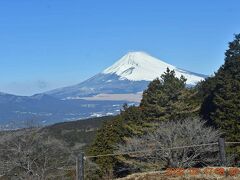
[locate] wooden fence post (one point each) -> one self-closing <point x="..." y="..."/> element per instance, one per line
<point x="80" y="167"/>
<point x="221" y="145"/>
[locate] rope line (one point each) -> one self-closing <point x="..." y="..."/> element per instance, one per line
<point x="232" y="142"/>
<point x="145" y="151"/>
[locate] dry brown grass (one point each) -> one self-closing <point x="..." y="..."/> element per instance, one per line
<point x="162" y="175"/>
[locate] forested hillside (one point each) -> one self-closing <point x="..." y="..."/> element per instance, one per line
<point x="80" y="132"/>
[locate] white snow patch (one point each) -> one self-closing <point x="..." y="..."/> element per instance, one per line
<point x="96" y="115"/>
<point x="109" y="114"/>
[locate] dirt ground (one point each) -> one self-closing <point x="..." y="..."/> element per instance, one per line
<point x="210" y="173"/>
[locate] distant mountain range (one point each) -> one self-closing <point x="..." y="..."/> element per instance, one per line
<point x="103" y="94"/>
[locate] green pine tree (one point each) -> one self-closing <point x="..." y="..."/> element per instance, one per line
<point x="221" y="94"/>
<point x="107" y="137"/>
<point x="168" y="99"/>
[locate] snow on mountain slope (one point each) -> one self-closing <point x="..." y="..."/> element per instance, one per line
<point x="139" y="66"/>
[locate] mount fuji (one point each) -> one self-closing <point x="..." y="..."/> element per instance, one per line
<point x="124" y="80"/>
<point x="102" y="95"/>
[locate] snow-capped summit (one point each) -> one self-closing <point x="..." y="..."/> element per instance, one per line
<point x="140" y="66"/>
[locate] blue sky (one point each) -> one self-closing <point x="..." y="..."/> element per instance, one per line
<point x="46" y="44"/>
